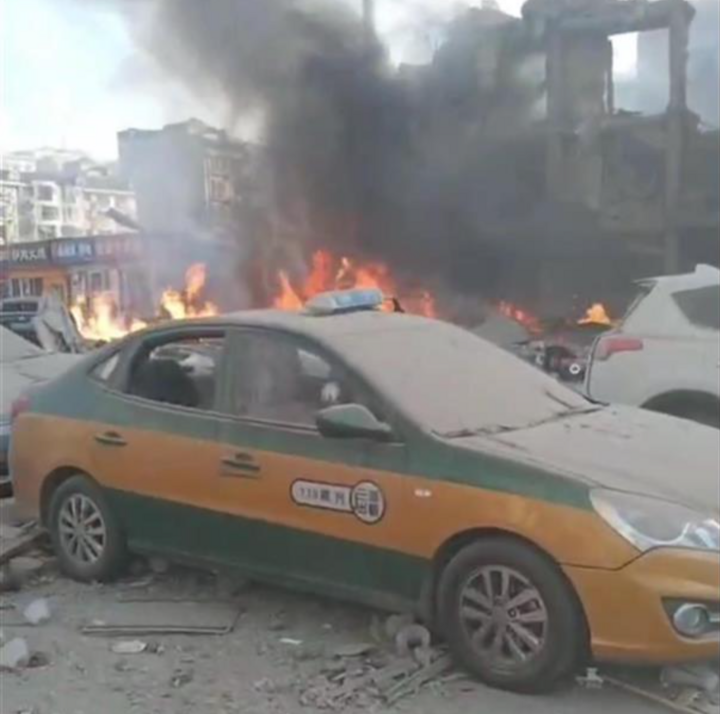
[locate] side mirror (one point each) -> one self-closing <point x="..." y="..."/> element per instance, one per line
<point x="352" y="421"/>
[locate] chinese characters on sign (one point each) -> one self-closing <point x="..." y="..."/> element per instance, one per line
<point x="365" y="500"/>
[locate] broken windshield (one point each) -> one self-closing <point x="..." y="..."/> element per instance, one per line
<point x="456" y="384"/>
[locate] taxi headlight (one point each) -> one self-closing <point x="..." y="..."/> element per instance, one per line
<point x="651" y="523"/>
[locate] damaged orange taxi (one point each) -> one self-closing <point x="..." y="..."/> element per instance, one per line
<point x="391" y="460"/>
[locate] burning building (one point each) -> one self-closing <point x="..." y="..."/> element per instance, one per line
<point x="506" y="169"/>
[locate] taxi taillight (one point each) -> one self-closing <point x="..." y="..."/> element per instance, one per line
<point x="20" y="405"/>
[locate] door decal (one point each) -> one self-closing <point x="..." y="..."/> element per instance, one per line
<point x="365" y="500"/>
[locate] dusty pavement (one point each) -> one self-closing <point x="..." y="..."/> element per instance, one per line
<point x="286" y="654"/>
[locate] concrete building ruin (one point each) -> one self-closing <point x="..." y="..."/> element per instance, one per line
<point x="610" y="195"/>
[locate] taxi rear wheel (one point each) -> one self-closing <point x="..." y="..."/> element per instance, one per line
<point x="510" y="616"/>
<point x="86" y="536"/>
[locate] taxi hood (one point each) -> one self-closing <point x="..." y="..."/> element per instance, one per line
<point x="624" y="449"/>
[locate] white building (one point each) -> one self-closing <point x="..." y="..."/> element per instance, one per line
<point x="51" y="194"/>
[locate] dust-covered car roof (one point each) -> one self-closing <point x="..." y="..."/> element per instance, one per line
<point x="449" y="380"/>
<point x="321" y="327"/>
<point x="366" y="321"/>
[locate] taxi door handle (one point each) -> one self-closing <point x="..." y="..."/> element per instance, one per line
<point x="110" y="438"/>
<point x="243" y="464"/>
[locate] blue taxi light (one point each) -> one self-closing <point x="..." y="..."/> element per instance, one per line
<point x="341" y="301"/>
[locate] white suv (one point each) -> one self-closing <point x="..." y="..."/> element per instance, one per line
<point x="665" y="355"/>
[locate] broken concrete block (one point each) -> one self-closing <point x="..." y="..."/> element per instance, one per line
<point x="8" y="532"/>
<point x="37" y="612"/>
<point x="24" y="568"/>
<point x="129" y="647"/>
<point x="357" y="649"/>
<point x="395" y="623"/>
<point x="15" y="654"/>
<point x="410" y="638"/>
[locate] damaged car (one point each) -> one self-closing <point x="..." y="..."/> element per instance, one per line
<point x="391" y="460"/>
<point x="23" y="365"/>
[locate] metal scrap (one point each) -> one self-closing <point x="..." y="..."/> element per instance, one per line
<point x="413" y="683"/>
<point x="687" y="703"/>
<point x="117" y="630"/>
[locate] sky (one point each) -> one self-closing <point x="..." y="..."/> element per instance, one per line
<point x="70" y="77"/>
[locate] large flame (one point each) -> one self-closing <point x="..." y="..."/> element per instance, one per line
<point x="328" y="272"/>
<point x="596" y="314"/>
<point x="99" y="319"/>
<point x="189" y="302"/>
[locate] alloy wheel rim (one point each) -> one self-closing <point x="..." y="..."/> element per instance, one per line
<point x="504" y="617"/>
<point x="82" y="529"/>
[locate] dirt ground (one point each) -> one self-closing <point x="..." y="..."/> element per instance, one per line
<point x="284" y="654"/>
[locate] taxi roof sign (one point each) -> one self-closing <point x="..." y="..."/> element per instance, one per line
<point x="342" y="301"/>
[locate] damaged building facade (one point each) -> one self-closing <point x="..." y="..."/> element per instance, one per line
<point x="580" y="196"/>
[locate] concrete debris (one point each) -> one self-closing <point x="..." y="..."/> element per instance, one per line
<point x="8" y="532"/>
<point x="266" y="686"/>
<point x="37" y="612"/>
<point x="701" y="677"/>
<point x="14" y="655"/>
<point x="340" y="685"/>
<point x="181" y="677"/>
<point x="23" y="569"/>
<point x="308" y="652"/>
<point x="7" y="582"/>
<point x="412" y="637"/>
<point x="353" y="650"/>
<point x="414" y="682"/>
<point x="129" y="647"/>
<point x="591" y="679"/>
<point x="37" y="660"/>
<point x="395" y="623"/>
<point x="290" y="641"/>
<point x="278" y="622"/>
<point x="23" y="543"/>
<point x="140" y="584"/>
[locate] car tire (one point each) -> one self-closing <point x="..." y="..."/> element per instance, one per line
<point x="541" y="639"/>
<point x="86" y="535"/>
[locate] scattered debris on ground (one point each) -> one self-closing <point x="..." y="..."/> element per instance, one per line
<point x="181" y="641"/>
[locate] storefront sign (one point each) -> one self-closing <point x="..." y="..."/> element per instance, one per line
<point x="26" y="255"/>
<point x="73" y="251"/>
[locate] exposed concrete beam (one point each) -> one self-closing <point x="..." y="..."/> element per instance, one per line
<point x="617" y="18"/>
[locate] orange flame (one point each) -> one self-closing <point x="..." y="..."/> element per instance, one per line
<point x="525" y="318"/>
<point x="189" y="302"/>
<point x="98" y="319"/>
<point x="596" y="314"/>
<point x="328" y="272"/>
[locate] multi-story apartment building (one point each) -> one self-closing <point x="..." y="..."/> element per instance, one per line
<point x="189" y="178"/>
<point x="46" y="195"/>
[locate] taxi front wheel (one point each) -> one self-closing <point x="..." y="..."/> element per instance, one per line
<point x="510" y="617"/>
<point x="86" y="536"/>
